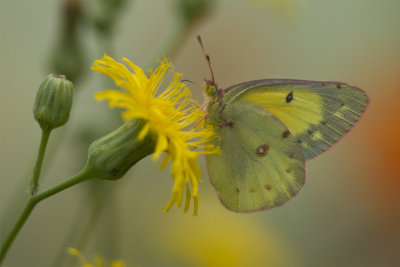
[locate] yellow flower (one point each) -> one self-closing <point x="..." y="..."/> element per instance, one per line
<point x="98" y="262"/>
<point x="171" y="116"/>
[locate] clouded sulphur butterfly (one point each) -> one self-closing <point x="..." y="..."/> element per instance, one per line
<point x="267" y="130"/>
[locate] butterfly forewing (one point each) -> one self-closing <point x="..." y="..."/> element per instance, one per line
<point x="261" y="165"/>
<point x="316" y="113"/>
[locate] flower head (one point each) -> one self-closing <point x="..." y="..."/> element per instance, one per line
<point x="171" y="116"/>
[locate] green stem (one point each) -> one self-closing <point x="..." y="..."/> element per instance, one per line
<point x="39" y="160"/>
<point x="83" y="175"/>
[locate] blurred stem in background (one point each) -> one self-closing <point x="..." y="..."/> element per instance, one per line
<point x="189" y="13"/>
<point x="68" y="56"/>
<point x="104" y="15"/>
<point x="97" y="199"/>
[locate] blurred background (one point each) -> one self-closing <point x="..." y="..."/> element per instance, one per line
<point x="348" y="213"/>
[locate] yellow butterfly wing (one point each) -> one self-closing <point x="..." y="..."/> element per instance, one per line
<point x="261" y="165"/>
<point x="316" y="113"/>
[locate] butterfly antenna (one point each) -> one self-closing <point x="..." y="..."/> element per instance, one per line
<point x="207" y="58"/>
<point x="199" y="85"/>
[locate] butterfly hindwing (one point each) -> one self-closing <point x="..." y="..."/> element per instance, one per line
<point x="316" y="113"/>
<point x="261" y="165"/>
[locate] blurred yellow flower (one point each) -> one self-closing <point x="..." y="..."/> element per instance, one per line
<point x="98" y="262"/>
<point x="171" y="116"/>
<point x="228" y="239"/>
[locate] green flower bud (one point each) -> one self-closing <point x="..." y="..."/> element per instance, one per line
<point x="53" y="102"/>
<point x="111" y="156"/>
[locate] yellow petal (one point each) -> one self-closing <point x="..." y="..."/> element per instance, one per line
<point x="144" y="132"/>
<point x="161" y="146"/>
<point x="187" y="201"/>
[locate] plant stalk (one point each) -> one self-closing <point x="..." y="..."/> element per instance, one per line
<point x="83" y="175"/>
<point x="39" y="161"/>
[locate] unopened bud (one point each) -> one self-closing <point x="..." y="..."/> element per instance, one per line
<point x="53" y="102"/>
<point x="111" y="156"/>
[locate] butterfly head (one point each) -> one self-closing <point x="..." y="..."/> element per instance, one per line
<point x="211" y="90"/>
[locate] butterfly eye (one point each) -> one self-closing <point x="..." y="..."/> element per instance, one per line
<point x="211" y="90"/>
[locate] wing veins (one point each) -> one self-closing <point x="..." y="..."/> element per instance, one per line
<point x="331" y="96"/>
<point x="314" y="124"/>
<point x="307" y="109"/>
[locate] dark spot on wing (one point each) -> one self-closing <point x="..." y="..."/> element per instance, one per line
<point x="289" y="97"/>
<point x="285" y="134"/>
<point x="268" y="187"/>
<point x="338" y="86"/>
<point x="262" y="150"/>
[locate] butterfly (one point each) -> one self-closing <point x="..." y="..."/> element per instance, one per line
<point x="267" y="129"/>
